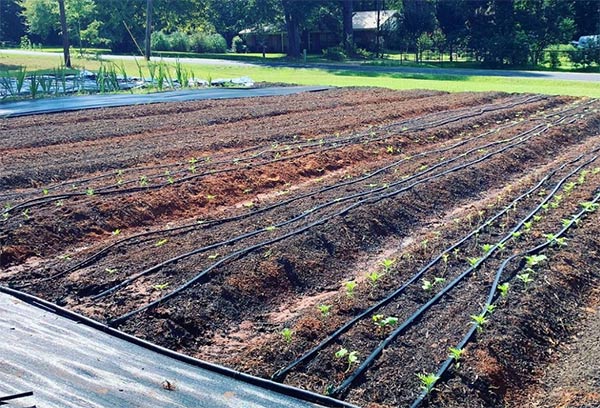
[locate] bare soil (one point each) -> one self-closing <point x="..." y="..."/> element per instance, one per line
<point x="213" y="227"/>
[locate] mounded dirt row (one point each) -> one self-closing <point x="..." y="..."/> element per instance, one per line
<point x="236" y="314"/>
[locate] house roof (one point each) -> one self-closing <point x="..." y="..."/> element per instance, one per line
<point x="367" y="20"/>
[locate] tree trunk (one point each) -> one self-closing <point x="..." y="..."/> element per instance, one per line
<point x="65" y="33"/>
<point x="377" y="38"/>
<point x="348" y="29"/>
<point x="293" y="31"/>
<point x="148" y="30"/>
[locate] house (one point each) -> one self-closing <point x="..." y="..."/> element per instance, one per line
<point x="364" y="24"/>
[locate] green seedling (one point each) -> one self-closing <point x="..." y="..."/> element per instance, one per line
<point x="516" y="234"/>
<point x="116" y="232"/>
<point x="193" y="160"/>
<point x="503" y="289"/>
<point x="382" y="321"/>
<point x="351" y="357"/>
<point x="270" y="228"/>
<point x="387" y="265"/>
<point x="161" y="286"/>
<point x="525" y="277"/>
<point x="65" y="257"/>
<point x="537" y="218"/>
<point x="170" y="180"/>
<point x="501" y="246"/>
<point x="143" y="181"/>
<point x="89" y="191"/>
<point x="350" y="287"/>
<point x="110" y="271"/>
<point x="445" y="257"/>
<point x="473" y="261"/>
<point x="527" y="226"/>
<point x="428" y="380"/>
<point x="533" y="260"/>
<point x="213" y="256"/>
<point x="287" y="335"/>
<point x="427" y="285"/>
<point x="582" y="176"/>
<point x="324" y="309"/>
<point x="5" y="216"/>
<point x="45" y="191"/>
<point x="389" y="149"/>
<point x="487" y="247"/>
<point x="456" y="355"/>
<point x="489" y="308"/>
<point x="373" y="277"/>
<point x="589" y="206"/>
<point x="161" y="242"/>
<point x="479" y="321"/>
<point x="210" y="197"/>
<point x="249" y="204"/>
<point x="568" y="188"/>
<point x="192" y="169"/>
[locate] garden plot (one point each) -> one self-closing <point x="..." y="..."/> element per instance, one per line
<point x="358" y="243"/>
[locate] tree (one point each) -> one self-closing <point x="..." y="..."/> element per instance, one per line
<point x="148" y="30"/>
<point x="452" y="16"/>
<point x="41" y="16"/>
<point x="64" y="32"/>
<point x="418" y="18"/>
<point x="347" y="24"/>
<point x="12" y="26"/>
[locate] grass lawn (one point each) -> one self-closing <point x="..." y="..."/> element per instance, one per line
<point x="345" y="77"/>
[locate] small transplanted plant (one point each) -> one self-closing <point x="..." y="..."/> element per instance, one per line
<point x="350" y="288"/>
<point x="324" y="309"/>
<point x="387" y="265"/>
<point x="479" y="321"/>
<point x="350" y="356"/>
<point x="287" y="335"/>
<point x="382" y="321"/>
<point x="428" y="380"/>
<point x="503" y="289"/>
<point x="161" y="286"/>
<point x="373" y="278"/>
<point x="456" y="355"/>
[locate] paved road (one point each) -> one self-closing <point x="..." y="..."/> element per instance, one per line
<point x="567" y="76"/>
<point x="72" y="365"/>
<point x="72" y="103"/>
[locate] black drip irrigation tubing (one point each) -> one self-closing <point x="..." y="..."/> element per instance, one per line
<point x="299" y="217"/>
<point x="237" y="375"/>
<point x="96" y="255"/>
<point x="415" y="317"/>
<point x="493" y="296"/>
<point x="244" y="251"/>
<point x="107" y="191"/>
<point x="281" y="374"/>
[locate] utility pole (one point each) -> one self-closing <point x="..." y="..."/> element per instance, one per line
<point x="65" y="33"/>
<point x="378" y="29"/>
<point x="148" y="29"/>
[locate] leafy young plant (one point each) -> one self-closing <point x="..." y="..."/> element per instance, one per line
<point x="479" y="321"/>
<point x="110" y="271"/>
<point x="287" y="335"/>
<point x="387" y="265"/>
<point x="487" y="247"/>
<point x="533" y="260"/>
<point x="89" y="191"/>
<point x="473" y="261"/>
<point x="350" y="287"/>
<point x="161" y="286"/>
<point x="382" y="321"/>
<point x="456" y="355"/>
<point x="324" y="309"/>
<point x="503" y="289"/>
<point x="373" y="277"/>
<point x="427" y="285"/>
<point x="351" y="357"/>
<point x="161" y="242"/>
<point x="525" y="277"/>
<point x="428" y="380"/>
<point x="589" y="206"/>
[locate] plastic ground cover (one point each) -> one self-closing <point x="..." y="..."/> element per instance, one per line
<point x="69" y="364"/>
<point x="72" y="103"/>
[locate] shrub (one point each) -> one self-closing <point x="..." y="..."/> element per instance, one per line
<point x="335" y="54"/>
<point x="179" y="41"/>
<point x="213" y="43"/>
<point x="159" y="41"/>
<point x="237" y="45"/>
